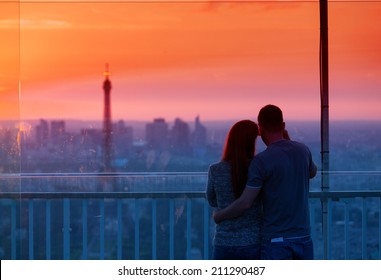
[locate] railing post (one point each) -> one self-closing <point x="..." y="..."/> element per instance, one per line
<point x="13" y="230"/>
<point x="48" y="229"/>
<point x="171" y="229"/>
<point x="206" y="231"/>
<point x="154" y="244"/>
<point x="84" y="229"/>
<point x="102" y="229"/>
<point x="137" y="230"/>
<point x="120" y="229"/>
<point x="346" y="229"/>
<point x="189" y="228"/>
<point x="66" y="229"/>
<point x="31" y="229"/>
<point x="363" y="231"/>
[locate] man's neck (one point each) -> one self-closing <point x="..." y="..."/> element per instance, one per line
<point x="275" y="137"/>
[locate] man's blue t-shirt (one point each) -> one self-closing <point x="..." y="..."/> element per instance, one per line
<point x="282" y="172"/>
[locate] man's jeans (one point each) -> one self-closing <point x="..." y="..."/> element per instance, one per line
<point x="237" y="252"/>
<point x="288" y="249"/>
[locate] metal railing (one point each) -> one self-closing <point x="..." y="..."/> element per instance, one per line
<point x="158" y="222"/>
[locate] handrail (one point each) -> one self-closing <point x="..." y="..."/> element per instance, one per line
<point x="169" y="194"/>
<point x="99" y="195"/>
<point x="100" y="174"/>
<point x="155" y="174"/>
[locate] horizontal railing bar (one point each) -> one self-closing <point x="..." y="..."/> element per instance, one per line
<point x="194" y="194"/>
<point x="358" y="172"/>
<point x="97" y="175"/>
<point x="152" y="174"/>
<point x="344" y="194"/>
<point x="99" y="195"/>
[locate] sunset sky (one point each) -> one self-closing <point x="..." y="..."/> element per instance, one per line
<point x="216" y="60"/>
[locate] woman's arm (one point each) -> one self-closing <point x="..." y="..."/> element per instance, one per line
<point x="210" y="191"/>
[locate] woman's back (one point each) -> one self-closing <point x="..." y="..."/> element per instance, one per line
<point x="241" y="231"/>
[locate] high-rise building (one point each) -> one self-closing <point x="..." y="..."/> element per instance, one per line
<point x="122" y="137"/>
<point x="199" y="134"/>
<point x="42" y="134"/>
<point x="157" y="134"/>
<point x="199" y="139"/>
<point x="57" y="132"/>
<point x="180" y="136"/>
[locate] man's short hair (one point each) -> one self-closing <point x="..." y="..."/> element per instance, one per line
<point x="270" y="118"/>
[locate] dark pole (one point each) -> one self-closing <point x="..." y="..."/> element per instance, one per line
<point x="324" y="121"/>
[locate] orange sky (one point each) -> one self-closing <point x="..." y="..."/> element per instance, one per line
<point x="221" y="61"/>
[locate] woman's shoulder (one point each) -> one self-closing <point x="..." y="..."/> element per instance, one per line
<point x="218" y="168"/>
<point x="221" y="165"/>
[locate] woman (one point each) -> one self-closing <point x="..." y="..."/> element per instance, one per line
<point x="237" y="238"/>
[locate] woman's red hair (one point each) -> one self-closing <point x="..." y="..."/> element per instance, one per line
<point x="239" y="150"/>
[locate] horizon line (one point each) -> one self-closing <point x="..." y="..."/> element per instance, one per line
<point x="183" y="119"/>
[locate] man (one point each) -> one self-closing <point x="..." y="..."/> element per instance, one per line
<point x="281" y="175"/>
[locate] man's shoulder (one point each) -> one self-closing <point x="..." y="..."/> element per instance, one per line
<point x="293" y="143"/>
<point x="274" y="149"/>
<point x="300" y="145"/>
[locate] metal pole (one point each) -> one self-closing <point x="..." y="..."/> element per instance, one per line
<point x="324" y="122"/>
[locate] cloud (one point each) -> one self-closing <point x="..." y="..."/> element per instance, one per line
<point x="34" y="24"/>
<point x="212" y="6"/>
<point x="44" y="24"/>
<point x="9" y="23"/>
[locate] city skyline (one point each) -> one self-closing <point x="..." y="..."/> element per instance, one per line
<point x="219" y="61"/>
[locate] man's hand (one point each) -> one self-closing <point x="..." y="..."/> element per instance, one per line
<point x="216" y="216"/>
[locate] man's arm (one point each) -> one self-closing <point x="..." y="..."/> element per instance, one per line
<point x="238" y="207"/>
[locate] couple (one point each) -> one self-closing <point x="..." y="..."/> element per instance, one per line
<point x="262" y="200"/>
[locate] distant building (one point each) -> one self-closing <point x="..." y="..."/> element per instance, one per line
<point x="57" y="132"/>
<point x="157" y="134"/>
<point x="42" y="134"/>
<point x="89" y="149"/>
<point x="199" y="134"/>
<point x="180" y="136"/>
<point x="199" y="138"/>
<point x="122" y="138"/>
<point x="91" y="138"/>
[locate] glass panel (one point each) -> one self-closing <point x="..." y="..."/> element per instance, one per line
<point x="355" y="73"/>
<point x="11" y="137"/>
<point x="181" y="74"/>
<point x="12" y="132"/>
<point x="355" y="53"/>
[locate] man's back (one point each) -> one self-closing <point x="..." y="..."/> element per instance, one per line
<point x="283" y="171"/>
